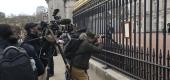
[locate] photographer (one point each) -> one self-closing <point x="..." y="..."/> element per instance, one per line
<point x="32" y="44"/>
<point x="80" y="61"/>
<point x="47" y="52"/>
<point x="68" y="34"/>
<point x="48" y="48"/>
<point x="59" y="29"/>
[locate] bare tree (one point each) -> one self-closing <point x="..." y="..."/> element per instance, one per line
<point x="2" y="15"/>
<point x="41" y="13"/>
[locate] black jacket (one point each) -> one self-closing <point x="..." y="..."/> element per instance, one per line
<point x="41" y="46"/>
<point x="32" y="53"/>
<point x="32" y="44"/>
<point x="33" y="40"/>
<point x="4" y="44"/>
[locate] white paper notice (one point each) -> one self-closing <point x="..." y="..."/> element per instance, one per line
<point x="127" y="30"/>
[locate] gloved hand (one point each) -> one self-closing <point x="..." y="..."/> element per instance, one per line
<point x="60" y="41"/>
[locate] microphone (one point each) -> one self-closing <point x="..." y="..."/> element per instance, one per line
<point x="56" y="11"/>
<point x="65" y="21"/>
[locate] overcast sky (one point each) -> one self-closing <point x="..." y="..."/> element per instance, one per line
<point x="16" y="7"/>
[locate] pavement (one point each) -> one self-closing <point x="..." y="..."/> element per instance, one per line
<point x="60" y="69"/>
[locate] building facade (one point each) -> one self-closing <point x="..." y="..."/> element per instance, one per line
<point x="154" y="14"/>
<point x="65" y="6"/>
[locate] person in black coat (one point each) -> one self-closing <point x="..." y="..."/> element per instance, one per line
<point x="9" y="37"/>
<point x="5" y="33"/>
<point x="32" y="44"/>
<point x="33" y="54"/>
<point x="41" y="46"/>
<point x="32" y="36"/>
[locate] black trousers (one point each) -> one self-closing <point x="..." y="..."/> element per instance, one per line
<point x="51" y="66"/>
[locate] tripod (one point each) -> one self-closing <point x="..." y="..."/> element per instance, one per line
<point x="57" y="45"/>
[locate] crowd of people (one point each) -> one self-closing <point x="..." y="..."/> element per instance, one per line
<point x="41" y="50"/>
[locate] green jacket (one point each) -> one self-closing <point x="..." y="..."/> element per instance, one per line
<point x="84" y="52"/>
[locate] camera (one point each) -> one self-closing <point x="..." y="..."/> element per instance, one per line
<point x="58" y="25"/>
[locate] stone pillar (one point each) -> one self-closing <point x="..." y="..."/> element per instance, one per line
<point x="55" y="4"/>
<point x="69" y="8"/>
<point x="66" y="11"/>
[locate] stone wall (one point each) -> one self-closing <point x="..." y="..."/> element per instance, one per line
<point x="65" y="11"/>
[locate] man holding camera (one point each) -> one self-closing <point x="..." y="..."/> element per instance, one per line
<point x="80" y="62"/>
<point x="32" y="44"/>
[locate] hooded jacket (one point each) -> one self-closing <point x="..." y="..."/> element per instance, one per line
<point x="84" y="52"/>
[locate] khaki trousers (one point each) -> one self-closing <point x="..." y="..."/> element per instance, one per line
<point x="79" y="74"/>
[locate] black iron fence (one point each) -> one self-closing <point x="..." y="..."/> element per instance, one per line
<point x="136" y="35"/>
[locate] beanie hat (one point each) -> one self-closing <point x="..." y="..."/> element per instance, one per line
<point x="29" y="26"/>
<point x="5" y="30"/>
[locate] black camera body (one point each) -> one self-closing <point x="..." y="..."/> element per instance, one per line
<point x="58" y="25"/>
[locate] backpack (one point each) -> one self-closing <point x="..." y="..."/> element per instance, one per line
<point x="15" y="64"/>
<point x="71" y="48"/>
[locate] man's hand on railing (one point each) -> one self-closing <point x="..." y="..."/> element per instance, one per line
<point x="99" y="39"/>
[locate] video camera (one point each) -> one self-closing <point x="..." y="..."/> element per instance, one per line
<point x="58" y="25"/>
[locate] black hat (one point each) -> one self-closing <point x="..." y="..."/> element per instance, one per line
<point x="30" y="25"/>
<point x="90" y="34"/>
<point x="5" y="30"/>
